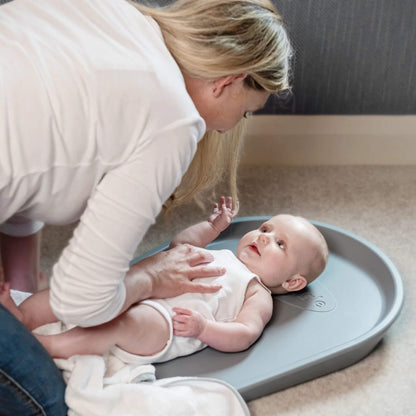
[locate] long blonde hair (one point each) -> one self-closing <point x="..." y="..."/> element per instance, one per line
<point x="210" y="39"/>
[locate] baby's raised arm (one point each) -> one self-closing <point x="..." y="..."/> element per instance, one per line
<point x="233" y="336"/>
<point x="203" y="233"/>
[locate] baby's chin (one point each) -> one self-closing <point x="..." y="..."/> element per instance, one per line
<point x="279" y="290"/>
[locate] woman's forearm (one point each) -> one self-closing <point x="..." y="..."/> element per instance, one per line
<point x="138" y="285"/>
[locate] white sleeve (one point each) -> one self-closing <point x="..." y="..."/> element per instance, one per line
<point x="87" y="283"/>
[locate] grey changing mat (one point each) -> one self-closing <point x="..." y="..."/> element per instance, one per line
<point x="333" y="323"/>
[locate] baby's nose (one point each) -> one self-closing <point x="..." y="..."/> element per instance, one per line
<point x="264" y="238"/>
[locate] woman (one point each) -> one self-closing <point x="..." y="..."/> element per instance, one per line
<point x="104" y="105"/>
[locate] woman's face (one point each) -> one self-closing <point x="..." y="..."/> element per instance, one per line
<point x="236" y="101"/>
<point x="222" y="103"/>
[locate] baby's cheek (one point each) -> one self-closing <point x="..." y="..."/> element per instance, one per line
<point x="242" y="255"/>
<point x="273" y="264"/>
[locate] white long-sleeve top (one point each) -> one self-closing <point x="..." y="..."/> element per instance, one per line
<point x="95" y="124"/>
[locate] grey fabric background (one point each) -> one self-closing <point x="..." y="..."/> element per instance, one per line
<point x="351" y="56"/>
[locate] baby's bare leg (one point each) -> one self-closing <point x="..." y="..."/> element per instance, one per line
<point x="33" y="311"/>
<point x="95" y="340"/>
<point x="146" y="331"/>
<point x="140" y="330"/>
<point x="7" y="301"/>
<point x="36" y="310"/>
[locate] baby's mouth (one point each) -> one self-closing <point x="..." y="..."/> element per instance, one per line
<point x="253" y="247"/>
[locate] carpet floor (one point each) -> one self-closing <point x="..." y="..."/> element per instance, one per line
<point x="376" y="202"/>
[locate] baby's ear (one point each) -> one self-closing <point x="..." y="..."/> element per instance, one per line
<point x="295" y="283"/>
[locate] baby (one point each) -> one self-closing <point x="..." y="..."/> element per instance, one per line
<point x="283" y="255"/>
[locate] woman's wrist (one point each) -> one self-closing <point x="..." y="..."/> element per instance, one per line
<point x="138" y="285"/>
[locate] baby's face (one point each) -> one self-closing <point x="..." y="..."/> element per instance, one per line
<point x="279" y="249"/>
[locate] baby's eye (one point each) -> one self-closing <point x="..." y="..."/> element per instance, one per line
<point x="263" y="229"/>
<point x="281" y="244"/>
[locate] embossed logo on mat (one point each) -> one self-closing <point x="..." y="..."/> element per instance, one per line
<point x="316" y="298"/>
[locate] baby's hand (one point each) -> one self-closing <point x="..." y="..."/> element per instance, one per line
<point x="222" y="214"/>
<point x="187" y="323"/>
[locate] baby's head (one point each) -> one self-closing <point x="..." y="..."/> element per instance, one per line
<point x="286" y="252"/>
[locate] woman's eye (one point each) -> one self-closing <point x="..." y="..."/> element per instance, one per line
<point x="247" y="114"/>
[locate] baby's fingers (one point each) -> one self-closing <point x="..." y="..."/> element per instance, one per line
<point x="179" y="332"/>
<point x="182" y="311"/>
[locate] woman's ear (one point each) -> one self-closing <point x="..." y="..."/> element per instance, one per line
<point x="220" y="84"/>
<point x="295" y="283"/>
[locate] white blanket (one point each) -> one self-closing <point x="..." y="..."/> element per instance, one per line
<point x="90" y="393"/>
<point x="134" y="391"/>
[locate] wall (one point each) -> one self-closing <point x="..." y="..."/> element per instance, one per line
<point x="330" y="140"/>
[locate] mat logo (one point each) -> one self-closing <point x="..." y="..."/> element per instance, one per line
<point x="315" y="298"/>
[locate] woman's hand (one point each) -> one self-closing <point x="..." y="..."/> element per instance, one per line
<point x="187" y="323"/>
<point x="170" y="273"/>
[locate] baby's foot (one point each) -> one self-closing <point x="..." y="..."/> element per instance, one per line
<point x="7" y="301"/>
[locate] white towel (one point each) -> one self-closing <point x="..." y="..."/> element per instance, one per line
<point x="90" y="393"/>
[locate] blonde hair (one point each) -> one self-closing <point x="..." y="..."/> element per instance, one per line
<point x="217" y="157"/>
<point x="210" y="39"/>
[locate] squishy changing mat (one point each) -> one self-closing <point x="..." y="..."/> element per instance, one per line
<point x="333" y="323"/>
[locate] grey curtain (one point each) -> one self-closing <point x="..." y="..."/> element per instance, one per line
<point x="352" y="56"/>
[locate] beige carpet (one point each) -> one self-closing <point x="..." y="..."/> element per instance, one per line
<point x="376" y="202"/>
